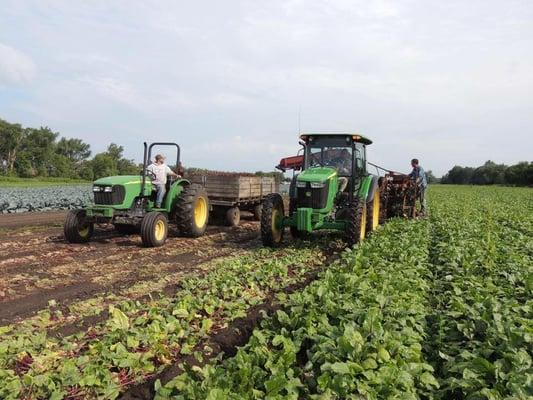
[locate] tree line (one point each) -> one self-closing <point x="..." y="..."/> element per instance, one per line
<point x="38" y="152"/>
<point x="490" y="173"/>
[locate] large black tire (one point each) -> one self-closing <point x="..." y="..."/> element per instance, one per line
<point x="126" y="229"/>
<point x="154" y="229"/>
<point x="273" y="210"/>
<point x="77" y="228"/>
<point x="356" y="222"/>
<point x="233" y="216"/>
<point x="295" y="233"/>
<point x="373" y="211"/>
<point x="192" y="211"/>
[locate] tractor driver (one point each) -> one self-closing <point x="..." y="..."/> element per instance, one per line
<point x="343" y="163"/>
<point x="160" y="171"/>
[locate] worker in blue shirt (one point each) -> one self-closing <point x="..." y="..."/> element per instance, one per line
<point x="419" y="176"/>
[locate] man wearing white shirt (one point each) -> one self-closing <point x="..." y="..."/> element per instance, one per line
<point x="160" y="171"/>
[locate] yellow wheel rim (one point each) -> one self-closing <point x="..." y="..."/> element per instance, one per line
<point x="375" y="210"/>
<point x="276" y="231"/>
<point x="200" y="212"/>
<point x="362" y="232"/>
<point x="83" y="232"/>
<point x="160" y="230"/>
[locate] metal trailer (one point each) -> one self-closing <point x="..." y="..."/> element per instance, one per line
<point x="231" y="193"/>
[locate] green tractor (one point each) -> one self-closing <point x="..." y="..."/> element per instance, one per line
<point x="334" y="191"/>
<point x="128" y="202"/>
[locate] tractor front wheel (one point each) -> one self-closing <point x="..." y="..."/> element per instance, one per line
<point x="271" y="220"/>
<point x="154" y="229"/>
<point x="355" y="222"/>
<point x="192" y="211"/>
<point x="77" y="228"/>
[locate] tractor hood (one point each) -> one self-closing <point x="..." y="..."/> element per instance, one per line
<point x="121" y="180"/>
<point x="317" y="174"/>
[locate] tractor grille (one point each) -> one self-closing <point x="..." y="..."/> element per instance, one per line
<point x="110" y="198"/>
<point x="313" y="198"/>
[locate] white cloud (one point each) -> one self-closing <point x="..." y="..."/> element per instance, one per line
<point x="15" y="66"/>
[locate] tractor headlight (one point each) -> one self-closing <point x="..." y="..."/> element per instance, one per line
<point x="97" y="188"/>
<point x="108" y="189"/>
<point x="317" y="185"/>
<point x="301" y="184"/>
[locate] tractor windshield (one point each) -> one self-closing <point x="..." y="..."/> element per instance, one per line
<point x="332" y="156"/>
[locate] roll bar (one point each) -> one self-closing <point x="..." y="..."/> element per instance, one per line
<point x="148" y="156"/>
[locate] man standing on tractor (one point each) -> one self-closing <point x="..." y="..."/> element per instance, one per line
<point x="419" y="176"/>
<point x="160" y="172"/>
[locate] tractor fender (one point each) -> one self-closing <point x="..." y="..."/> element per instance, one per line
<point x="174" y="192"/>
<point x="364" y="189"/>
<point x="372" y="189"/>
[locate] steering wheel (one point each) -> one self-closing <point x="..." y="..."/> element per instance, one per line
<point x="151" y="175"/>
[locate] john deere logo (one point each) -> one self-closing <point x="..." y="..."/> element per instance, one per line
<point x="308" y="194"/>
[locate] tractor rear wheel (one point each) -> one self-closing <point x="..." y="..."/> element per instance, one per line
<point x="126" y="229"/>
<point x="233" y="216"/>
<point x="373" y="212"/>
<point x="77" y="228"/>
<point x="192" y="211"/>
<point x="271" y="220"/>
<point x="355" y="230"/>
<point x="154" y="229"/>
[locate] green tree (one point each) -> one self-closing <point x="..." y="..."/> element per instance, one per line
<point x="74" y="149"/>
<point x="103" y="165"/>
<point x="11" y="137"/>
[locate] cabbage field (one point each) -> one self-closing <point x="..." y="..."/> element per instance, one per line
<point x="43" y="198"/>
<point x="437" y="308"/>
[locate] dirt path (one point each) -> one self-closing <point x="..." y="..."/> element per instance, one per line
<point x="36" y="218"/>
<point x="37" y="265"/>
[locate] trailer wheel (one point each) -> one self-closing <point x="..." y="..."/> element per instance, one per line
<point x="192" y="211"/>
<point x="126" y="229"/>
<point x="373" y="210"/>
<point x="154" y="229"/>
<point x="271" y="217"/>
<point x="257" y="211"/>
<point x="355" y="223"/>
<point x="233" y="216"/>
<point x="77" y="228"/>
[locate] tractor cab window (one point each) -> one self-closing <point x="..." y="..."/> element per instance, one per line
<point x="360" y="161"/>
<point x="331" y="156"/>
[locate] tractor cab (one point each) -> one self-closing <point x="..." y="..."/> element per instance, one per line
<point x="343" y="153"/>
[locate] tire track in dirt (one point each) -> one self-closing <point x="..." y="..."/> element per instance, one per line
<point x="68" y="273"/>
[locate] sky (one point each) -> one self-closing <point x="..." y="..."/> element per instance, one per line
<point x="233" y="82"/>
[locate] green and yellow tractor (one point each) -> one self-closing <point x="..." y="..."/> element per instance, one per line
<point x="129" y="203"/>
<point x="334" y="191"/>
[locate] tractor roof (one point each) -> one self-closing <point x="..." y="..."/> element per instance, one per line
<point x="355" y="136"/>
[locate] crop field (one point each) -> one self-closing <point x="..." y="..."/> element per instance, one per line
<point x="436" y="308"/>
<point x="16" y="199"/>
